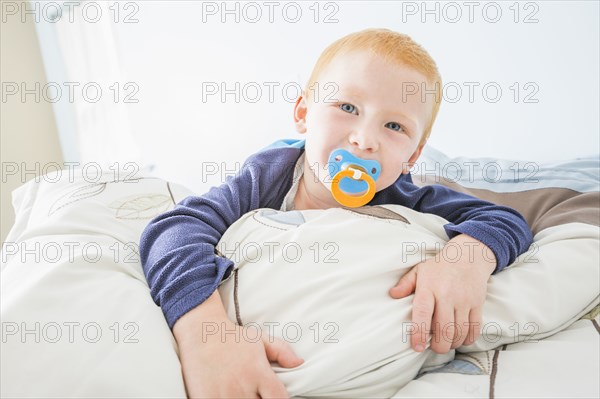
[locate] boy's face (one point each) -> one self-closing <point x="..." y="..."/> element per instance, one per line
<point x="372" y="115"/>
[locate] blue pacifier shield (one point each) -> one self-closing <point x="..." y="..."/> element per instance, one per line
<point x="341" y="159"/>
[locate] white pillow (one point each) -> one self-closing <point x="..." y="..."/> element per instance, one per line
<point x="319" y="279"/>
<point x="505" y="175"/>
<point x="57" y="294"/>
<point x="77" y="316"/>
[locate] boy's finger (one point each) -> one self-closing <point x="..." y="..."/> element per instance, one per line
<point x="461" y="320"/>
<point x="281" y="352"/>
<point x="474" y="326"/>
<point x="406" y="285"/>
<point x="272" y="387"/>
<point x="422" y="313"/>
<point x="443" y="327"/>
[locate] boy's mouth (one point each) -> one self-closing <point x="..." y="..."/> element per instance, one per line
<point x="354" y="166"/>
<point x="353" y="178"/>
<point x="340" y="160"/>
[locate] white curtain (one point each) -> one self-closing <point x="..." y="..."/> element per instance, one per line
<point x="100" y="94"/>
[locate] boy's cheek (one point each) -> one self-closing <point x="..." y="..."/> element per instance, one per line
<point x="387" y="180"/>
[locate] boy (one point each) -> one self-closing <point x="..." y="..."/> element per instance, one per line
<point x="373" y="118"/>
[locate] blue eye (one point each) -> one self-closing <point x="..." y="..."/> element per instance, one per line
<point x="394" y="126"/>
<point x="348" y="108"/>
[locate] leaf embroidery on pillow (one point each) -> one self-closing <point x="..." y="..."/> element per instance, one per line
<point x="141" y="206"/>
<point x="78" y="194"/>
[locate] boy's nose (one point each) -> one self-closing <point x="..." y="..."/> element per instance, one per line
<point x="363" y="141"/>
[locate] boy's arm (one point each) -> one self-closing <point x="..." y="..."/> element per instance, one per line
<point x="217" y="364"/>
<point x="501" y="229"/>
<point x="177" y="248"/>
<point x="450" y="288"/>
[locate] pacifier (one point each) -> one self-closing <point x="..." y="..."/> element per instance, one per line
<point x="353" y="178"/>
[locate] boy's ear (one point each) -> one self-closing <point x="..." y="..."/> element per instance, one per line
<point x="300" y="111"/>
<point x="413" y="158"/>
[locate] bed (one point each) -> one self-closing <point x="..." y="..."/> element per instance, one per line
<point x="78" y="320"/>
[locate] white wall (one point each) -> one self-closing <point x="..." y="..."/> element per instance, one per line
<point x="551" y="53"/>
<point x="544" y="52"/>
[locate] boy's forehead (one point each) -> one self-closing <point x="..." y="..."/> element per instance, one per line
<point x="396" y="83"/>
<point x="357" y="72"/>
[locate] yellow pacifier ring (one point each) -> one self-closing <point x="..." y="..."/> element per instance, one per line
<point x="352" y="201"/>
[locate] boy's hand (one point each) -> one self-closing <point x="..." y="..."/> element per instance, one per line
<point x="220" y="359"/>
<point x="450" y="290"/>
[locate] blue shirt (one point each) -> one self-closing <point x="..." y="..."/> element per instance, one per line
<point x="177" y="248"/>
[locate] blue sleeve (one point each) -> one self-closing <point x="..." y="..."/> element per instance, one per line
<point x="177" y="248"/>
<point x="502" y="229"/>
